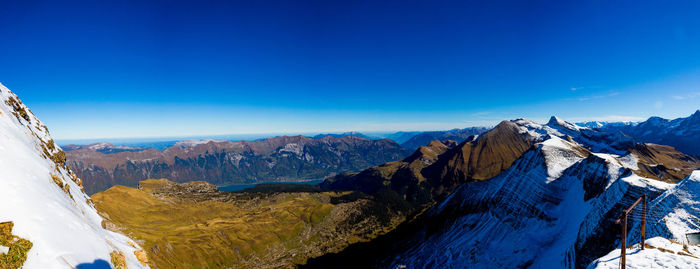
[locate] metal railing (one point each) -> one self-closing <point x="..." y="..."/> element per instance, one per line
<point x="623" y="220"/>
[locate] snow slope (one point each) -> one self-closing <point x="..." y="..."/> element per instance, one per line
<point x="676" y="212"/>
<point x="44" y="200"/>
<point x="546" y="211"/>
<point x="659" y="253"/>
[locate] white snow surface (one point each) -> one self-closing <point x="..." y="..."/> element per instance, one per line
<point x="65" y="231"/>
<point x="676" y="212"/>
<point x="195" y="142"/>
<point x="659" y="253"/>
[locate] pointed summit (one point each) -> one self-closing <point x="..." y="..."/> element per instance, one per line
<point x="696" y="114"/>
<point x="554" y="120"/>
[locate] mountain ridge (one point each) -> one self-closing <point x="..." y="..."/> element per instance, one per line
<point x="42" y="201"/>
<point x="232" y="162"/>
<point x="599" y="168"/>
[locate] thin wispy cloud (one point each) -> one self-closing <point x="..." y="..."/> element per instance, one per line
<point x="687" y="96"/>
<point x="658" y="104"/>
<point x="592" y="97"/>
<point x="481" y="114"/>
<point x="608" y="118"/>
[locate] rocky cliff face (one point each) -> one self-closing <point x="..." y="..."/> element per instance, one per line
<point x="46" y="220"/>
<point x="232" y="162"/>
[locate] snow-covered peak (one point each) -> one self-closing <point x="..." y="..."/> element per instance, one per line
<point x="556" y="122"/>
<point x="195" y="142"/>
<point x="656" y="121"/>
<point x="44" y="201"/>
<point x="101" y="145"/>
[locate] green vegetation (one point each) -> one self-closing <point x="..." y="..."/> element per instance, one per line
<point x="118" y="260"/>
<point x="19" y="247"/>
<point x="194" y="225"/>
<point x="19" y="110"/>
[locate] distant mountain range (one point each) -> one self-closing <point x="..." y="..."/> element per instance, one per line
<point x="357" y="134"/>
<point x="681" y="133"/>
<point x="601" y="124"/>
<point x="458" y="135"/>
<point x="229" y="162"/>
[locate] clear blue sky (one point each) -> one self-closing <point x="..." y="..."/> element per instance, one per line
<point x="167" y="68"/>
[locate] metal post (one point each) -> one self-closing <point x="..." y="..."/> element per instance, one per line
<point x="644" y="215"/>
<point x="624" y="240"/>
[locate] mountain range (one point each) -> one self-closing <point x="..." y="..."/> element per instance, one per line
<point x="221" y="162"/>
<point x="540" y="196"/>
<point x="520" y="195"/>
<point x="284" y="158"/>
<point x="681" y="133"/>
<point x="459" y="135"/>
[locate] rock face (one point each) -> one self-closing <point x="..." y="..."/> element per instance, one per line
<point x="521" y="195"/>
<point x="681" y="133"/>
<point x="46" y="219"/>
<point x="231" y="162"/>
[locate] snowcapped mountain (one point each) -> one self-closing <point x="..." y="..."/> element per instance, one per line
<point x="46" y="220"/>
<point x="553" y="206"/>
<point x="601" y="124"/>
<point x="681" y="133"/>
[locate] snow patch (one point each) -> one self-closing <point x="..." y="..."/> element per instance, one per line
<point x="559" y="155"/>
<point x="195" y="142"/>
<point x="659" y="253"/>
<point x="60" y="221"/>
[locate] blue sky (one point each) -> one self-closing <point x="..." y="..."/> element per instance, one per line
<point x="102" y="69"/>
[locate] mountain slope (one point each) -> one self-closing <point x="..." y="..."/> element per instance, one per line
<point x="554" y="207"/>
<point x="671" y="216"/>
<point x="194" y="225"/>
<point x="551" y="209"/>
<point x="680" y="133"/>
<point x="42" y="201"/>
<point x="435" y="170"/>
<point x="233" y="162"/>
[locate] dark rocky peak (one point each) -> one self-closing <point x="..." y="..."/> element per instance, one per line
<point x="654" y="121"/>
<point x="557" y="123"/>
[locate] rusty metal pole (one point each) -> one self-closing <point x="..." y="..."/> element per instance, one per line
<point x="624" y="241"/>
<point x="644" y="216"/>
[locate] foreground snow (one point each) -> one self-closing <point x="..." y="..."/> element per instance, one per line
<point x="45" y="201"/>
<point x="659" y="253"/>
